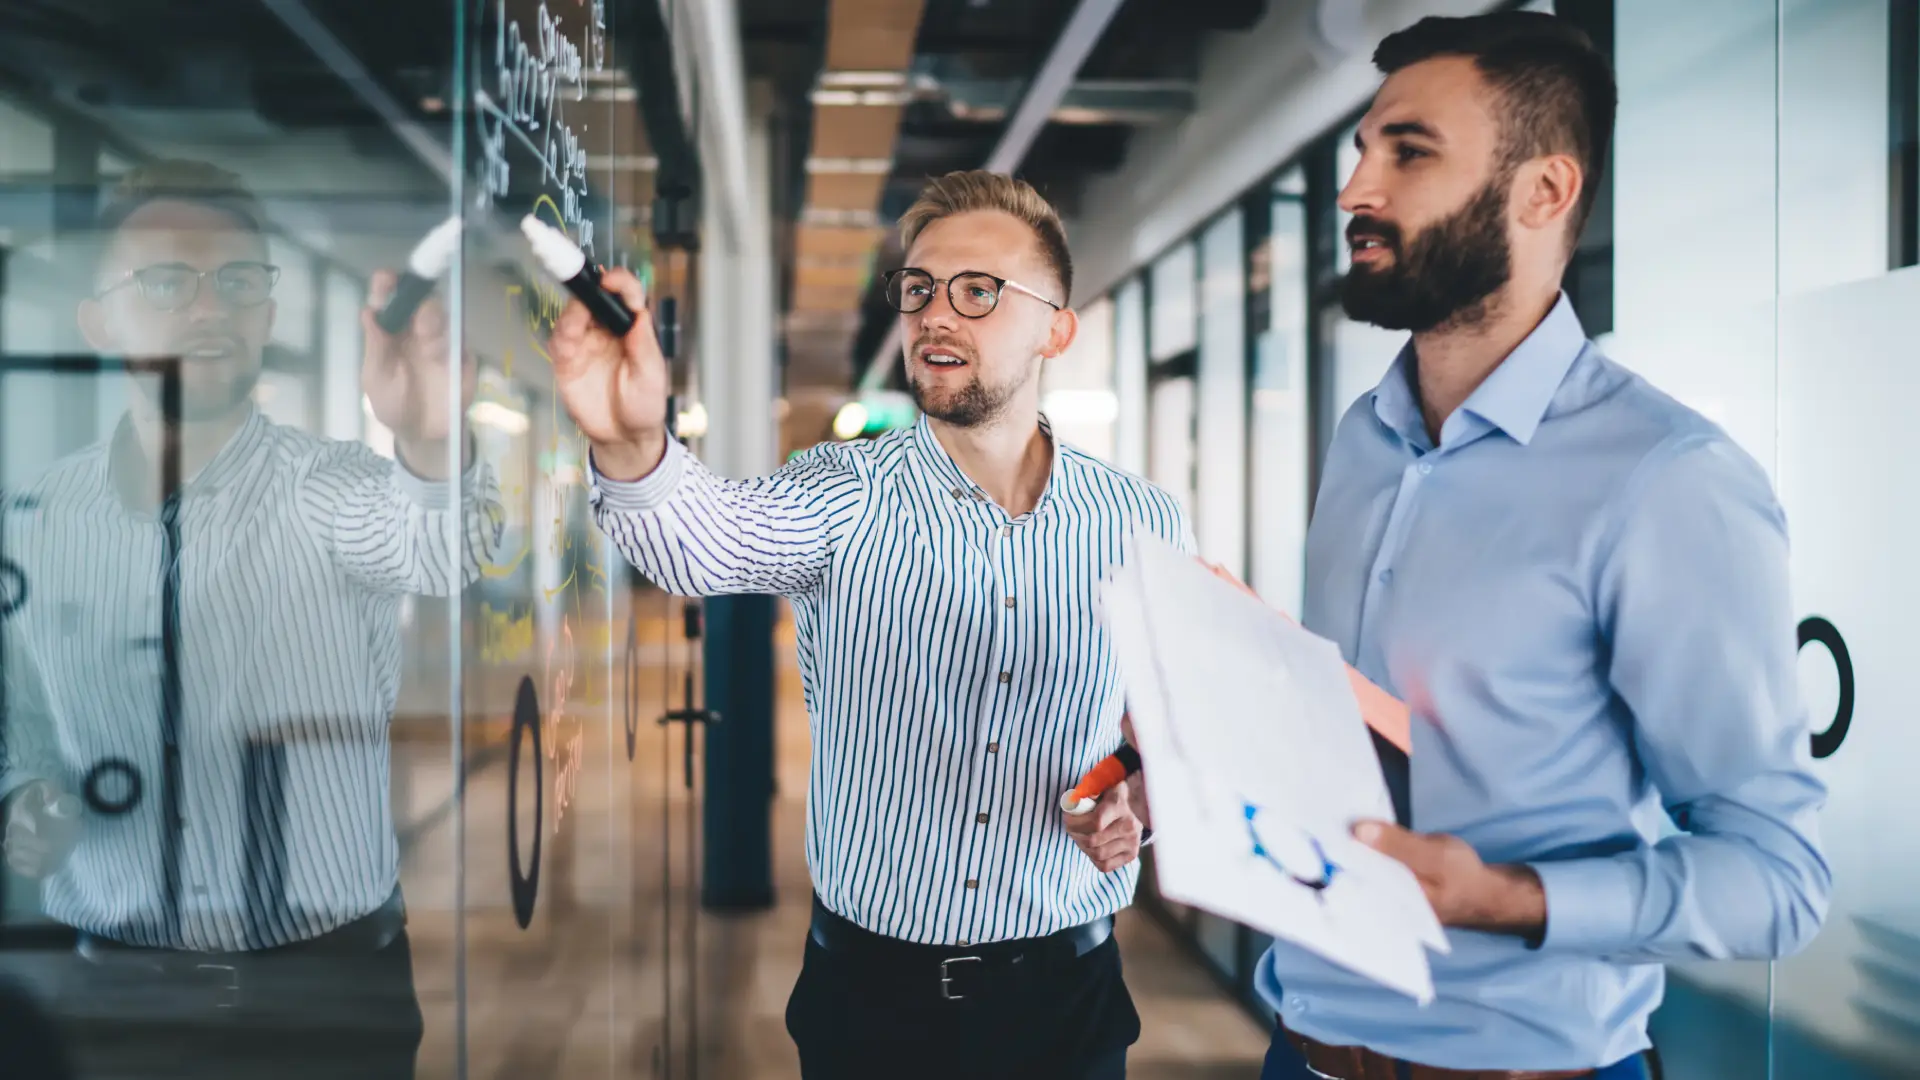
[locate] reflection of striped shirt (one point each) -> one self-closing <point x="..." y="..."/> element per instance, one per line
<point x="957" y="673"/>
<point x="294" y="554"/>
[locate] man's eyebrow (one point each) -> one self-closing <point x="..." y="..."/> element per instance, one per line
<point x="1410" y="127"/>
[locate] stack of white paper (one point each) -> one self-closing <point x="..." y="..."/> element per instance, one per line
<point x="1257" y="764"/>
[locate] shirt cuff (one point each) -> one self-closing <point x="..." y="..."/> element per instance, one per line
<point x="1590" y="905"/>
<point x="648" y="493"/>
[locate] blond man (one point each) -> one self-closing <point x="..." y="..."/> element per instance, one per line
<point x="943" y="583"/>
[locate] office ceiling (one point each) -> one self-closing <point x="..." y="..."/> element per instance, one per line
<point x="872" y="97"/>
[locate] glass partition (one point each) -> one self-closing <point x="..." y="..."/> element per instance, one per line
<point x="1772" y="309"/>
<point x="331" y="739"/>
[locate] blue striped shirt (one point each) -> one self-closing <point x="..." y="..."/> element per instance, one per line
<point x="958" y="677"/>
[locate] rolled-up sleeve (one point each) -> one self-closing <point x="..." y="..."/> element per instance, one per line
<point x="696" y="534"/>
<point x="1695" y="607"/>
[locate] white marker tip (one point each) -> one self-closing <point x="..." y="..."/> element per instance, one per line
<point x="435" y="253"/>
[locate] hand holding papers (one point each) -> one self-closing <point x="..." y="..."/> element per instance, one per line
<point x="1257" y="764"/>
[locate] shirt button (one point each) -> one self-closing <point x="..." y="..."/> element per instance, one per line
<point x="979" y="819"/>
<point x="1006" y="677"/>
<point x="959" y="493"/>
<point x="1009" y="601"/>
<point x="993" y="748"/>
<point x="973" y="883"/>
<point x="1006" y="530"/>
<point x="1386" y="576"/>
<point x="1426" y="467"/>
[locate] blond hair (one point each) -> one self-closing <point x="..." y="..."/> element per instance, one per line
<point x="977" y="189"/>
<point x="197" y="182"/>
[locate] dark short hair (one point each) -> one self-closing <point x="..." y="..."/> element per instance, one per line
<point x="177" y="180"/>
<point x="1555" y="91"/>
<point x="978" y="189"/>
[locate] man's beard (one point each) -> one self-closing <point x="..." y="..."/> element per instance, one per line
<point x="206" y="390"/>
<point x="972" y="404"/>
<point x="1444" y="276"/>
<point x="969" y="406"/>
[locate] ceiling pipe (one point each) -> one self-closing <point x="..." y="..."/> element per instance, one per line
<point x="1049" y="86"/>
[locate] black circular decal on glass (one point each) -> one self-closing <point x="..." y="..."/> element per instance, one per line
<point x="13" y="587"/>
<point x="630" y="698"/>
<point x="526" y="883"/>
<point x="111" y="799"/>
<point x="1815" y="628"/>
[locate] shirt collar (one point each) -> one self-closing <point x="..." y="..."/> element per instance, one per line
<point x="947" y="473"/>
<point x="128" y="470"/>
<point x="1514" y="398"/>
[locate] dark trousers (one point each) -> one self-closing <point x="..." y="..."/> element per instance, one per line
<point x="1063" y="1018"/>
<point x="313" y="1011"/>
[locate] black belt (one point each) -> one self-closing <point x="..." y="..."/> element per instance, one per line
<point x="367" y="934"/>
<point x="957" y="971"/>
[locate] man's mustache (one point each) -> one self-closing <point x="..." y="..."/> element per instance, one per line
<point x="930" y="341"/>
<point x="1384" y="231"/>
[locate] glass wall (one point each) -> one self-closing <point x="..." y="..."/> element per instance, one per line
<point x="1783" y="308"/>
<point x="1077" y="387"/>
<point x="329" y="740"/>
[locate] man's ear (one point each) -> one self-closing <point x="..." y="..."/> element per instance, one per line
<point x="1066" y="326"/>
<point x="94" y="326"/>
<point x="1550" y="188"/>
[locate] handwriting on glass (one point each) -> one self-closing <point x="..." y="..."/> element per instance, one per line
<point x="532" y="81"/>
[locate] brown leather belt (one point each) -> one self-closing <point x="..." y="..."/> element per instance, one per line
<point x="1360" y="1063"/>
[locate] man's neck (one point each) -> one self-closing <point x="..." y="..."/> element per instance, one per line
<point x="1009" y="457"/>
<point x="1452" y="361"/>
<point x="198" y="440"/>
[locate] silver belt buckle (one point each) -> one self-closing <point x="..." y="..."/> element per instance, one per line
<point x="229" y="995"/>
<point x="946" y="977"/>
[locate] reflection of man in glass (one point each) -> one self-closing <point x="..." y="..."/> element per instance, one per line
<point x="220" y="650"/>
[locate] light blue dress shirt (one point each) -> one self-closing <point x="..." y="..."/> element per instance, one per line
<point x="1582" y="593"/>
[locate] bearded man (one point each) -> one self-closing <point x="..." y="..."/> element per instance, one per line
<point x="1579" y="586"/>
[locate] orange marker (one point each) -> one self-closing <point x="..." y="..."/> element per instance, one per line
<point x="1102" y="778"/>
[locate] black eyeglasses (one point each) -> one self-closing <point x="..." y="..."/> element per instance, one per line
<point x="175" y="286"/>
<point x="972" y="293"/>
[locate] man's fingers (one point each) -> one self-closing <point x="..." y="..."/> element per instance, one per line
<point x="380" y="288"/>
<point x="1392" y="840"/>
<point x="573" y="322"/>
<point x="622" y="283"/>
<point x="431" y="320"/>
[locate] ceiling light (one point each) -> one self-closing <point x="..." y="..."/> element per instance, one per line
<point x="500" y="417"/>
<point x="856" y="166"/>
<point x="850" y="421"/>
<point x="863" y="80"/>
<point x="693" y="421"/>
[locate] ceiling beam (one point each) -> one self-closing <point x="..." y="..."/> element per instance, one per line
<point x="1043" y="96"/>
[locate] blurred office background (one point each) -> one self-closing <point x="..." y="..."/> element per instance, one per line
<point x="596" y="789"/>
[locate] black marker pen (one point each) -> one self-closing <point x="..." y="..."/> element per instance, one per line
<point x="429" y="260"/>
<point x="569" y="264"/>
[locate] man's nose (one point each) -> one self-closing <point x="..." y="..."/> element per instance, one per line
<point x="939" y="310"/>
<point x="207" y="305"/>
<point x="1362" y="191"/>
